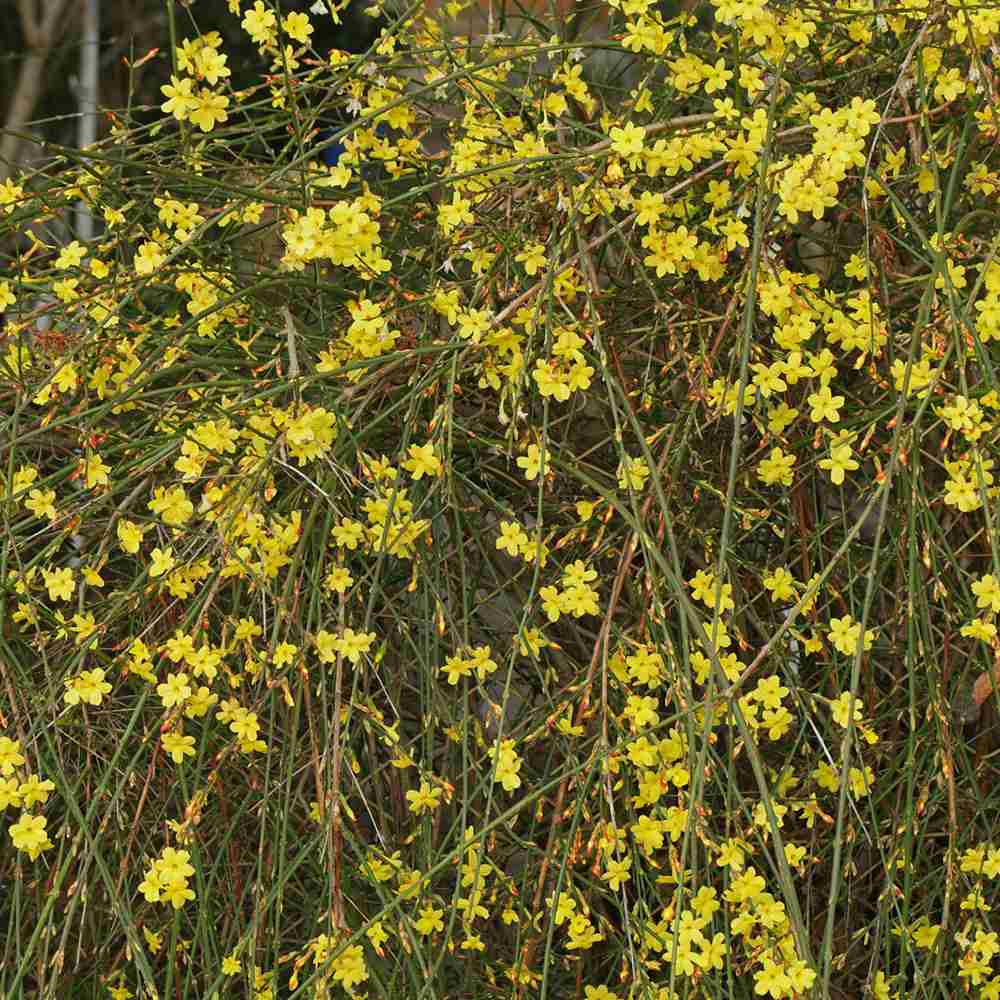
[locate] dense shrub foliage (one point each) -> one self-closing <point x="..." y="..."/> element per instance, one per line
<point x="543" y="547"/>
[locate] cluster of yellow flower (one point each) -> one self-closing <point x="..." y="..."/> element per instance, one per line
<point x="166" y="879"/>
<point x="203" y="63"/>
<point x="478" y="662"/>
<point x="346" y="235"/>
<point x="25" y="791"/>
<point x="347" y="967"/>
<point x="576" y="597"/>
<point x="970" y="477"/>
<point x="508" y="764"/>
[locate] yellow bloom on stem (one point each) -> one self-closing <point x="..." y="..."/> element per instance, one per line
<point x="59" y="583"/>
<point x="352" y="644"/>
<point x="987" y="591"/>
<point x="617" y="872"/>
<point x="162" y="561"/>
<point x="776" y="468"/>
<point x="423" y="461"/>
<point x="10" y="755"/>
<point x="180" y="101"/>
<point x="175" y="690"/>
<point x="89" y="687"/>
<point x="425" y="799"/>
<point x="41" y="503"/>
<point x="839" y="462"/>
<point x="34" y="791"/>
<point x="531" y="463"/>
<point x="178" y="746"/>
<point x="28" y="834"/>
<point x="431" y="919"/>
<point x="825" y="406"/>
<point x="260" y="24"/>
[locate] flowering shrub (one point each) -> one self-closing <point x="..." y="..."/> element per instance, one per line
<point x="542" y="566"/>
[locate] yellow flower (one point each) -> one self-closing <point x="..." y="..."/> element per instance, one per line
<point x="825" y="406"/>
<point x="178" y="746"/>
<point x="731" y="855"/>
<point x="925" y="935"/>
<point x="532" y="257"/>
<point x="839" y="462"/>
<point x="41" y="503"/>
<point x="95" y="472"/>
<point x="297" y="26"/>
<point x="861" y="781"/>
<point x="769" y="692"/>
<point x="426" y="799"/>
<point x="349" y="968"/>
<point x="453" y="214"/>
<point x="979" y="629"/>
<point x="794" y="854"/>
<point x="180" y="100"/>
<point x="10" y="755"/>
<point x="582" y="933"/>
<point x="260" y="24"/>
<point x="845" y="633"/>
<point x="28" y="834"/>
<point x="10" y="793"/>
<point x="455" y="668"/>
<point x="781" y="584"/>
<point x="284" y="654"/>
<point x="508" y="765"/>
<point x="208" y="110"/>
<point x="839" y="710"/>
<point x="776" y="468"/>
<point x="352" y="644"/>
<point x="431" y="919"/>
<point x="89" y="687"/>
<point x="34" y="790"/>
<point x="339" y="580"/>
<point x="648" y="833"/>
<point x="71" y="255"/>
<point x="513" y="538"/>
<point x="174" y="690"/>
<point x="633" y="473"/>
<point x="162" y="561"/>
<point x="377" y="934"/>
<point x="423" y="461"/>
<point x="59" y="583"/>
<point x="129" y="535"/>
<point x="987" y="591"/>
<point x="348" y="533"/>
<point x="172" y="505"/>
<point x="617" y="872"/>
<point x="598" y="993"/>
<point x="531" y="463"/>
<point x="627" y="141"/>
<point x="148" y="258"/>
<point x="177" y="892"/>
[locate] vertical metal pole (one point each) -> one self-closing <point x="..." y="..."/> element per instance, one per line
<point x="86" y="132"/>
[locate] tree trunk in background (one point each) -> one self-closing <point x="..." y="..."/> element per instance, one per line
<point x="42" y="22"/>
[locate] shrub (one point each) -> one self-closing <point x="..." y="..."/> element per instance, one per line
<point x="535" y="554"/>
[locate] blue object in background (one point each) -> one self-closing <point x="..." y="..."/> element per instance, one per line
<point x="332" y="153"/>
